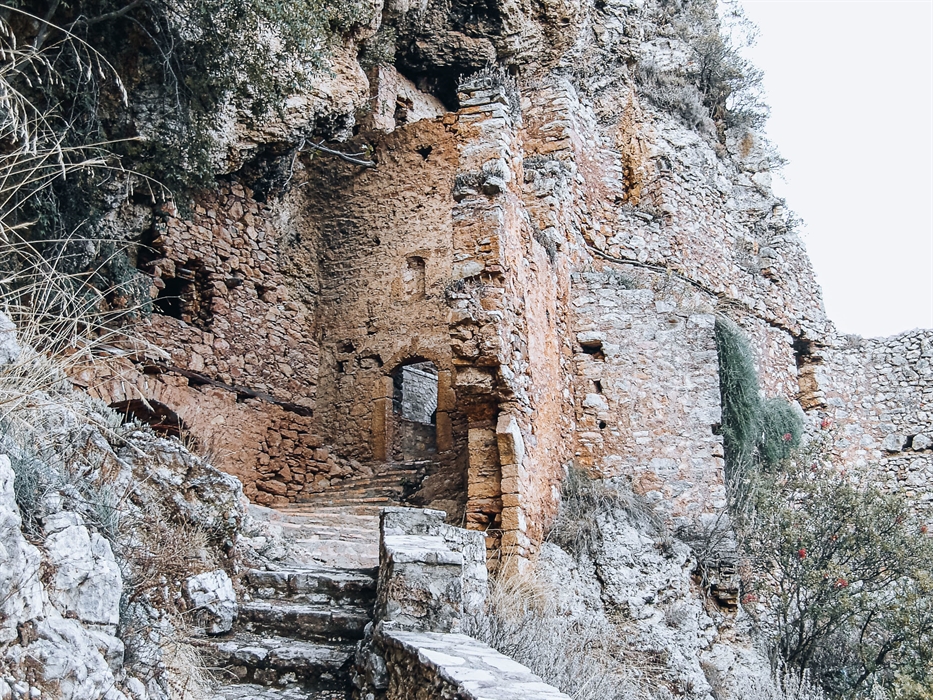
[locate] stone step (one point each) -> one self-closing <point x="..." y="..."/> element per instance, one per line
<point x="317" y="510"/>
<point x="318" y="585"/>
<point x="376" y="501"/>
<point x="301" y="512"/>
<point x="340" y="554"/>
<point x="312" y="531"/>
<point x="270" y="660"/>
<point x="392" y="493"/>
<point x="303" y="620"/>
<point x="257" y="692"/>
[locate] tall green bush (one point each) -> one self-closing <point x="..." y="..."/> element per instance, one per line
<point x="757" y="433"/>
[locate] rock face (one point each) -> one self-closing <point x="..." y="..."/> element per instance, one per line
<point x="91" y="538"/>
<point x="64" y="630"/>
<point x="211" y="596"/>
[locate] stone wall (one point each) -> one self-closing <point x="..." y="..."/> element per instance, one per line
<point x="877" y="397"/>
<point x="647" y="393"/>
<point x="485" y="241"/>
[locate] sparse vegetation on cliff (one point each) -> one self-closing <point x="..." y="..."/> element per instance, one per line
<point x="715" y="86"/>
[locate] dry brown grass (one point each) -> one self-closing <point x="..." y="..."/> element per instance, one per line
<point x="581" y="656"/>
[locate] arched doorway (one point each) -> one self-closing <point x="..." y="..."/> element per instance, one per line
<point x="414" y="411"/>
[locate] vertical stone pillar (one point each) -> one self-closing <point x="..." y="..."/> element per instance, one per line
<point x="484" y="487"/>
<point x="382" y="420"/>
<point x="446" y="402"/>
<point x="511" y="446"/>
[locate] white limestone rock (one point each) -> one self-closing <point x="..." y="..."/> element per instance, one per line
<point x="87" y="581"/>
<point x="10" y="349"/>
<point x="894" y="442"/>
<point x="69" y="657"/>
<point x="21" y="595"/>
<point x="212" y="595"/>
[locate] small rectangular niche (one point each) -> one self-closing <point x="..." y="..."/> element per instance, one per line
<point x="413" y="277"/>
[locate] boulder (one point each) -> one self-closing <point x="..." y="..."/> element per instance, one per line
<point x="211" y="594"/>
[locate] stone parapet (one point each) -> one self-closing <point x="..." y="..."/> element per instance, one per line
<point x="431" y="666"/>
<point x="432" y="576"/>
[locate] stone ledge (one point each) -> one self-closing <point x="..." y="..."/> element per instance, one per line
<point x="421" y="549"/>
<point x="471" y="669"/>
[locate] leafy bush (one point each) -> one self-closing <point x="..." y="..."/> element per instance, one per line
<point x="189" y="59"/>
<point x="757" y="433"/>
<point x="844" y="572"/>
<point x="781" y="431"/>
<point x="716" y="83"/>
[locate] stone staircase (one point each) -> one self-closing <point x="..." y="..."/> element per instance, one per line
<point x="389" y="484"/>
<point x="296" y="634"/>
<point x="298" y="625"/>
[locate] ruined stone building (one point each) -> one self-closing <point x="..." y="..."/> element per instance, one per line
<point x="526" y="279"/>
<point x="448" y="255"/>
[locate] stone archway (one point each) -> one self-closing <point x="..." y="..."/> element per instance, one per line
<point x="414" y="411"/>
<point x="412" y="403"/>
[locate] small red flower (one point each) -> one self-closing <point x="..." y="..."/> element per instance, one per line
<point x="841" y="583"/>
<point x="788" y="437"/>
<point x="923" y="529"/>
<point x="802" y="553"/>
<point x="749" y="598"/>
<point x="825" y="423"/>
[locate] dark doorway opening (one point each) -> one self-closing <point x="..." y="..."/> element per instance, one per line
<point x="414" y="407"/>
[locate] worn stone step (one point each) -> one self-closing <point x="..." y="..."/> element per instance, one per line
<point x="318" y="585"/>
<point x="271" y="660"/>
<point x="304" y="620"/>
<point x="335" y="531"/>
<point x="252" y="691"/>
<point x="304" y="507"/>
<point x="357" y="496"/>
<point x="304" y="513"/>
<point x="337" y="499"/>
<point x="341" y="554"/>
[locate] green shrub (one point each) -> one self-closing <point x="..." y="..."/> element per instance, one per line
<point x="844" y="572"/>
<point x="741" y="397"/>
<point x="717" y="84"/>
<point x="781" y="431"/>
<point x="757" y="433"/>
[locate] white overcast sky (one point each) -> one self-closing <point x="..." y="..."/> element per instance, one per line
<point x="850" y="85"/>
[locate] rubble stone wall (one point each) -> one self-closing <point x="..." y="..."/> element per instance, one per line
<point x="647" y="394"/>
<point x="878" y="396"/>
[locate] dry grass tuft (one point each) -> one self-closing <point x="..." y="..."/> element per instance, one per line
<point x="579" y="655"/>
